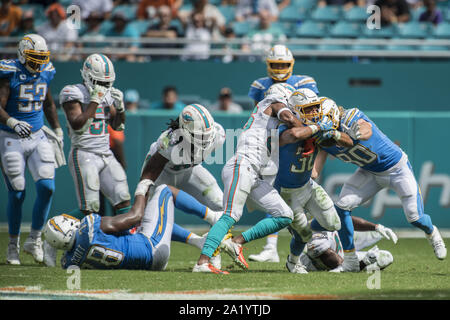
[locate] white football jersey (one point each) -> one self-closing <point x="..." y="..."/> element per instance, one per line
<point x="319" y="243"/>
<point x="95" y="137"/>
<point x="179" y="153"/>
<point x="256" y="141"/>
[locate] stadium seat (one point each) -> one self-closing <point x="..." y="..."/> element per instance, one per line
<point x="311" y="29"/>
<point x="413" y="29"/>
<point x="345" y="29"/>
<point x="228" y="12"/>
<point x="327" y="14"/>
<point x="128" y="9"/>
<point x="292" y="13"/>
<point x="415" y="13"/>
<point x="305" y="4"/>
<point x="105" y="26"/>
<point x="442" y="31"/>
<point x="242" y="28"/>
<point x="385" y="32"/>
<point x="356" y="14"/>
<point x="140" y="25"/>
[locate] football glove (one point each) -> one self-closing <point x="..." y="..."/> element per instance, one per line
<point x="353" y="131"/>
<point x="59" y="136"/>
<point x="22" y="128"/>
<point x="98" y="93"/>
<point x="386" y="233"/>
<point x="331" y="134"/>
<point x="325" y="124"/>
<point x="117" y="95"/>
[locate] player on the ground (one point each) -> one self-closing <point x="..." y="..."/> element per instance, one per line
<point x="242" y="180"/>
<point x="106" y="243"/>
<point x="280" y="65"/>
<point x="324" y="250"/>
<point x="382" y="164"/>
<point x="89" y="107"/>
<point x="24" y="99"/>
<point x="176" y="159"/>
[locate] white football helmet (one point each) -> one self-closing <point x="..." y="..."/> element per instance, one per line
<point x="329" y="108"/>
<point x="98" y="69"/>
<point x="60" y="231"/>
<point x="281" y="88"/>
<point x="307" y="104"/>
<point x="279" y="54"/>
<point x="197" y="126"/>
<point x="33" y="52"/>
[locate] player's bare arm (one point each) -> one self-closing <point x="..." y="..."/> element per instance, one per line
<point x="285" y="116"/>
<point x="365" y="129"/>
<point x="76" y="117"/>
<point x="344" y="140"/>
<point x="4" y="94"/>
<point x="319" y="162"/>
<point x="295" y="134"/>
<point x="50" y="111"/>
<point x="360" y="224"/>
<point x="116" y="119"/>
<point x="153" y="167"/>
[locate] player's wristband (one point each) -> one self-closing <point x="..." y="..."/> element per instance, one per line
<point x="11" y="122"/>
<point x="314" y="128"/>
<point x="143" y="187"/>
<point x="281" y="110"/>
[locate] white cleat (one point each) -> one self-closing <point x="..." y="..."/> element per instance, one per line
<point x="295" y="267"/>
<point x="216" y="261"/>
<point x="34" y="247"/>
<point x="371" y="256"/>
<point x="385" y="259"/>
<point x="437" y="243"/>
<point x="207" y="267"/>
<point x="49" y="255"/>
<point x="234" y="250"/>
<point x="12" y="255"/>
<point x="269" y="254"/>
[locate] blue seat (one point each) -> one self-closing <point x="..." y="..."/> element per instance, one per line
<point x="442" y="31"/>
<point x="128" y="9"/>
<point x="327" y="13"/>
<point x="140" y="25"/>
<point x="415" y="13"/>
<point x="344" y="29"/>
<point x="413" y="29"/>
<point x="356" y="14"/>
<point x="384" y="32"/>
<point x="241" y="28"/>
<point x="311" y="29"/>
<point x="292" y="13"/>
<point x="304" y="4"/>
<point x="228" y="12"/>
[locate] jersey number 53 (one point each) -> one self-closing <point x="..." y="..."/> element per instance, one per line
<point x="33" y="96"/>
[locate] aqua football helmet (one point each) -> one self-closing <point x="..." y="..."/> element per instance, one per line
<point x="59" y="231"/>
<point x="197" y="126"/>
<point x="33" y="52"/>
<point x="280" y="63"/>
<point x="98" y="70"/>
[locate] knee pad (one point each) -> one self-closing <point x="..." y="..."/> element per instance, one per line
<point x="93" y="206"/>
<point x="46" y="171"/>
<point x="92" y="179"/>
<point x="318" y="245"/>
<point x="322" y="199"/>
<point x="332" y="220"/>
<point x="300" y="225"/>
<point x="46" y="152"/>
<point x="122" y="191"/>
<point x="13" y="166"/>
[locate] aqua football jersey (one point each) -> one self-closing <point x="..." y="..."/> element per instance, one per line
<point x="27" y="92"/>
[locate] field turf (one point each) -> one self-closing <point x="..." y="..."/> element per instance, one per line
<point x="415" y="274"/>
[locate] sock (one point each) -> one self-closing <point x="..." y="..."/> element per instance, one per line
<point x="216" y="234"/>
<point x="35" y="233"/>
<point x="180" y="234"/>
<point x="196" y="241"/>
<point x="424" y="223"/>
<point x="297" y="245"/>
<point x="189" y="204"/>
<point x="293" y="258"/>
<point x="14" y="211"/>
<point x="265" y="227"/>
<point x="44" y="190"/>
<point x="315" y="226"/>
<point x="346" y="231"/>
<point x="14" y="239"/>
<point x="77" y="213"/>
<point x="123" y="210"/>
<point x="272" y="239"/>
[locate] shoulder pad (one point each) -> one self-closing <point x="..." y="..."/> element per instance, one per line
<point x="71" y="93"/>
<point x="304" y="80"/>
<point x="349" y="116"/>
<point x="7" y="68"/>
<point x="258" y="85"/>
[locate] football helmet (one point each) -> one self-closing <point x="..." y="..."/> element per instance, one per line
<point x="328" y="108"/>
<point x="98" y="70"/>
<point x="33" y="52"/>
<point x="307" y="104"/>
<point x="280" y="63"/>
<point x="280" y="88"/>
<point x="60" y="231"/>
<point x="197" y="126"/>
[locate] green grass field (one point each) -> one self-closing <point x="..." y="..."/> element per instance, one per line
<point x="415" y="274"/>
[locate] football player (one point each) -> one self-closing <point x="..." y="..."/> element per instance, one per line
<point x="89" y="107"/>
<point x="106" y="243"/>
<point x="280" y="64"/>
<point x="25" y="97"/>
<point x="382" y="164"/>
<point x="242" y="180"/>
<point x="324" y="250"/>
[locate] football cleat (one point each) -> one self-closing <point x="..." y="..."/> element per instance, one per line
<point x="208" y="267"/>
<point x="49" y="255"/>
<point x="371" y="256"/>
<point x="385" y="259"/>
<point x="12" y="255"/>
<point x="269" y="254"/>
<point x="295" y="267"/>
<point x="234" y="250"/>
<point x="34" y="248"/>
<point x="438" y="244"/>
<point x="216" y="261"/>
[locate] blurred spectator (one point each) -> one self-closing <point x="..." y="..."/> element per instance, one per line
<point x="100" y="7"/>
<point x="347" y="4"/>
<point x="393" y="11"/>
<point x="214" y="19"/>
<point x="58" y="32"/>
<point x="229" y="2"/>
<point x="122" y="28"/>
<point x="26" y="25"/>
<point x="226" y="103"/>
<point x="169" y="100"/>
<point x="10" y="16"/>
<point x="261" y="38"/>
<point x="147" y="8"/>
<point x="199" y="35"/>
<point x="162" y="29"/>
<point x="92" y="31"/>
<point x="432" y="14"/>
<point x="250" y="9"/>
<point x="283" y="4"/>
<point x="229" y="35"/>
<point x="131" y="100"/>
